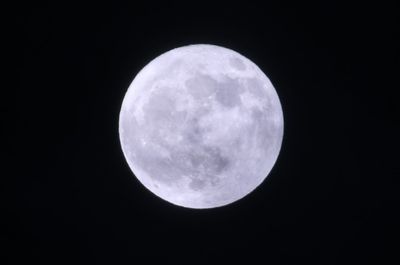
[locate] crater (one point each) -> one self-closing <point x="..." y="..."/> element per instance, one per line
<point x="215" y="162"/>
<point x="197" y="184"/>
<point x="228" y="93"/>
<point x="255" y="86"/>
<point x="158" y="168"/>
<point x="193" y="132"/>
<point x="207" y="160"/>
<point x="201" y="86"/>
<point x="257" y="114"/>
<point x="237" y="63"/>
<point x="160" y="106"/>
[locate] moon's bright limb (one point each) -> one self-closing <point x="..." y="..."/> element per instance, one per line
<point x="201" y="126"/>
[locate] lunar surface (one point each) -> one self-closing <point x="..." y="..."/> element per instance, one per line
<point x="201" y="126"/>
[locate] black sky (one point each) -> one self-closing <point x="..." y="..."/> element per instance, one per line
<point x="330" y="199"/>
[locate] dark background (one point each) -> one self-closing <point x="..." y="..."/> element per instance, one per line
<point x="330" y="199"/>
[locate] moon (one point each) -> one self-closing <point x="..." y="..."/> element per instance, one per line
<point x="201" y="126"/>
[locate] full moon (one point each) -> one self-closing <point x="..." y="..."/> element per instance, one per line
<point x="201" y="126"/>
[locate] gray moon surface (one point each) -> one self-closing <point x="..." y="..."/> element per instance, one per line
<point x="201" y="126"/>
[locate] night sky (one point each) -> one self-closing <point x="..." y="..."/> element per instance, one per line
<point x="331" y="197"/>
